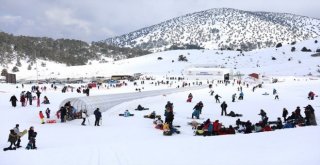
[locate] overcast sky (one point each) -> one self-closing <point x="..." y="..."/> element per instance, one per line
<point x="94" y="20"/>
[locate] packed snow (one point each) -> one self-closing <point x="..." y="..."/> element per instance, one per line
<point x="135" y="141"/>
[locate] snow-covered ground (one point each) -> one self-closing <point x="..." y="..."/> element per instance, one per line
<point x="135" y="141"/>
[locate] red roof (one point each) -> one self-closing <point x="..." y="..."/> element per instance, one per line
<point x="254" y="75"/>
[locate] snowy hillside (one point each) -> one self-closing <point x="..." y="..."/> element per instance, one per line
<point x="287" y="63"/>
<point x="222" y="28"/>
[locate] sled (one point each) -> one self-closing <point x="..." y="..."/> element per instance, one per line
<point x="6" y="149"/>
<point x="167" y="133"/>
<point x="142" y="109"/>
<point x="148" y="116"/>
<point x="195" y="118"/>
<point x="128" y="116"/>
<point x="51" y="121"/>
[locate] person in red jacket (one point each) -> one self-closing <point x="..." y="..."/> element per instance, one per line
<point x="266" y="128"/>
<point x="41" y="117"/>
<point x="216" y="127"/>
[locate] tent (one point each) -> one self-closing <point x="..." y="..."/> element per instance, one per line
<point x="105" y="102"/>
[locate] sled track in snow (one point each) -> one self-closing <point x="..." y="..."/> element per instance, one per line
<point x="105" y="102"/>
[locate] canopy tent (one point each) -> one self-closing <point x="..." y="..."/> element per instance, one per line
<point x="105" y="102"/>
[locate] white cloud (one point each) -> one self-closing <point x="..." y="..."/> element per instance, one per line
<point x="66" y="19"/>
<point x="10" y="19"/>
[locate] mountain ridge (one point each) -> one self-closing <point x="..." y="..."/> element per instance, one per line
<point x="222" y="28"/>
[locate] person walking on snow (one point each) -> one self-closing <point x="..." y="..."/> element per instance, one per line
<point x="32" y="138"/>
<point x="22" y="100"/>
<point x="285" y="114"/>
<point x="241" y="96"/>
<point x="41" y="117"/>
<point x="97" y="114"/>
<point x="48" y="113"/>
<point x="13" y="100"/>
<point x="12" y="139"/>
<point x="234" y="97"/>
<point x="18" y="133"/>
<point x="38" y="93"/>
<point x="84" y="115"/>
<point x="217" y="98"/>
<point x="224" y="108"/>
<point x="29" y="97"/>
<point x="274" y="91"/>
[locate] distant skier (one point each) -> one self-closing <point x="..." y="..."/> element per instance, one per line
<point x="13" y="100"/>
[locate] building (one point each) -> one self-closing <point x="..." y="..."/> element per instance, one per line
<point x="208" y="72"/>
<point x="11" y="78"/>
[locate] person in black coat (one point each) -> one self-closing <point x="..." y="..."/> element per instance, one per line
<point x="285" y="114"/>
<point x="87" y="91"/>
<point x="248" y="125"/>
<point x="217" y="98"/>
<point x="169" y="116"/>
<point x="29" y="97"/>
<point x="38" y="93"/>
<point x="32" y="137"/>
<point x="224" y="108"/>
<point x="97" y="114"/>
<point x="14" y="100"/>
<point x="63" y="112"/>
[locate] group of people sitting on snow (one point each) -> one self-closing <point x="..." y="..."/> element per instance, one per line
<point x="296" y="118"/>
<point x="209" y="128"/>
<point x="292" y="121"/>
<point x="166" y="126"/>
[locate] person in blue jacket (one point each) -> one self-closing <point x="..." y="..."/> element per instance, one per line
<point x="126" y="113"/>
